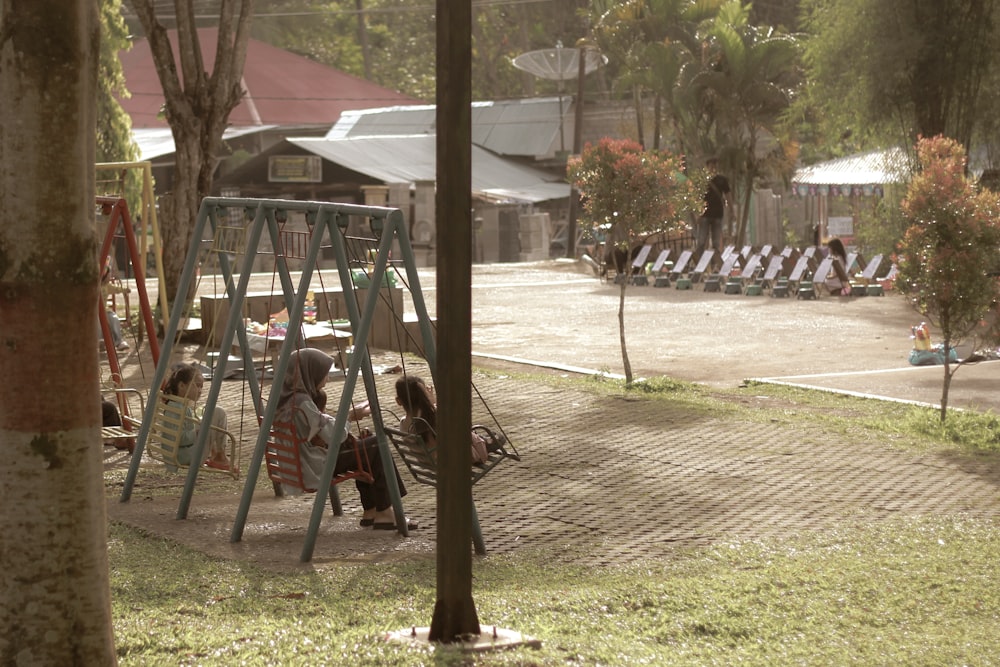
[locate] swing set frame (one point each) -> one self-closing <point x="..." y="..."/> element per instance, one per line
<point x="328" y="223"/>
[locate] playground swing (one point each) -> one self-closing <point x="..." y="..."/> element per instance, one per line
<point x="118" y="229"/>
<point x="282" y="453"/>
<point x="172" y="424"/>
<point x="418" y="450"/>
<point x="417" y="447"/>
<point x="171" y="420"/>
<point x="284" y="464"/>
<point x="387" y="226"/>
<point x="122" y="435"/>
<point x="405" y="339"/>
<point x="175" y="423"/>
<point x="329" y="221"/>
<point x="229" y="241"/>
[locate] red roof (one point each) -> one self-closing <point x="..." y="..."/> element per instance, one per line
<point x="283" y="88"/>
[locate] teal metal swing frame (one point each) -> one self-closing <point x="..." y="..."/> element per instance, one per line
<point x="327" y="221"/>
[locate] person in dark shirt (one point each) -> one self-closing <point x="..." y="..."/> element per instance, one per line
<point x="717" y="196"/>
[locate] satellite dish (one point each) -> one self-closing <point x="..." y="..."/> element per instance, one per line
<point x="559" y="64"/>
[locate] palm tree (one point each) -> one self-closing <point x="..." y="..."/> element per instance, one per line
<point x="650" y="42"/>
<point x="744" y="86"/>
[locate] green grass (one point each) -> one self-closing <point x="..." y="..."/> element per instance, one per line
<point x="900" y="424"/>
<point x="914" y="592"/>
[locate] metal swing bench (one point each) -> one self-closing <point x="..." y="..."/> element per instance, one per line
<point x="420" y="459"/>
<point x="123" y="435"/>
<point x="167" y="429"/>
<point x="284" y="465"/>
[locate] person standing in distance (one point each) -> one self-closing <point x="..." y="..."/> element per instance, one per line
<point x="717" y="196"/>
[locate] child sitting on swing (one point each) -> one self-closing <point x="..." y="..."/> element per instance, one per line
<point x="302" y="401"/>
<point x="417" y="401"/>
<point x="186" y="381"/>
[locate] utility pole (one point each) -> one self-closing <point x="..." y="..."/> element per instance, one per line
<point x="574" y="196"/>
<point x="455" y="614"/>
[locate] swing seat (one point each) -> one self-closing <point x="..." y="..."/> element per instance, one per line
<point x="167" y="429"/>
<point x="284" y="467"/>
<point x="421" y="460"/>
<point x="123" y="436"/>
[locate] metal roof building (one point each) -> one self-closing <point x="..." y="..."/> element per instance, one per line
<point x="524" y="128"/>
<point x="281" y="88"/>
<point x="412" y="158"/>
<point x="862" y="173"/>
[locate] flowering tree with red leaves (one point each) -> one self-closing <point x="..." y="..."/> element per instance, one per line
<point x="636" y="192"/>
<point x="950" y="249"/>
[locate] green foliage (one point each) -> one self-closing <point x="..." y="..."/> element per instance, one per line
<point x="747" y="87"/>
<point x="401" y="40"/>
<point x="659" y="385"/>
<point x="952" y="243"/>
<point x="950" y="248"/>
<point x="969" y="431"/>
<point x="893" y="71"/>
<point x="650" y="44"/>
<point x="114" y="128"/>
<point x="879" y="230"/>
<point x="633" y="190"/>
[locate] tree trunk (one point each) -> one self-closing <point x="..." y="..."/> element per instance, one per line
<point x="657" y="119"/>
<point x="946" y="385"/>
<point x="180" y="210"/>
<point x="363" y="39"/>
<point x="640" y="130"/>
<point x="197" y="109"/>
<point x="744" y="221"/>
<point x="55" y="597"/>
<point x="621" y="325"/>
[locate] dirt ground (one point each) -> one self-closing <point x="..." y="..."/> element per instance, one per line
<point x="557" y="317"/>
<point x="559" y="314"/>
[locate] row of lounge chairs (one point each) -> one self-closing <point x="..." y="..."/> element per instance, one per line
<point x="756" y="272"/>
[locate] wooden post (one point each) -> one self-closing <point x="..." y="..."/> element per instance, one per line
<point x="454" y="612"/>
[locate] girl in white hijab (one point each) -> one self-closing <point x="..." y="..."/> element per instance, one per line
<point x="303" y="401"/>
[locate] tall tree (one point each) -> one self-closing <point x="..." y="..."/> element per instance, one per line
<point x="54" y="593"/>
<point x="952" y="244"/>
<point x="399" y="33"/>
<point x="652" y="42"/>
<point x="198" y="105"/>
<point x="114" y="127"/>
<point x="893" y="71"/>
<point x="635" y="192"/>
<point x="746" y="86"/>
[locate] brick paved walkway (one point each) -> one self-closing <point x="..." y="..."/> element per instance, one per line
<point x="612" y="480"/>
<point x="606" y="480"/>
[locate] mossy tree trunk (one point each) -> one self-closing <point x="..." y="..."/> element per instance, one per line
<point x="55" y="604"/>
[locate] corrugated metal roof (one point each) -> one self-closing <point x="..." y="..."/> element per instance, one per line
<point x="405" y="159"/>
<point x="526" y="128"/>
<point x="155" y="142"/>
<point x="881" y="167"/>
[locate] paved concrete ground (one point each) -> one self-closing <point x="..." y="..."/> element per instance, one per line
<point x="615" y="480"/>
